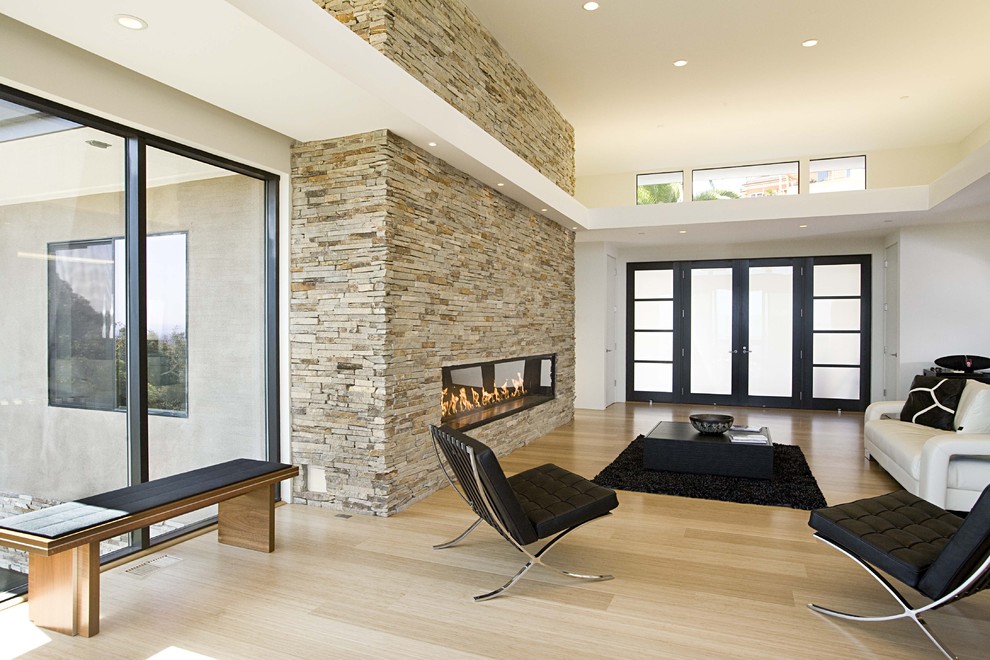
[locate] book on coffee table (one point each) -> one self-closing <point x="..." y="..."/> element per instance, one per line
<point x="749" y="438"/>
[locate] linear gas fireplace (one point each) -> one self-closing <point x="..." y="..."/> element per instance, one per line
<point x="478" y="393"/>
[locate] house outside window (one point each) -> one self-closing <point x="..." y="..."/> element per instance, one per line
<point x="835" y="174"/>
<point x="770" y="180"/>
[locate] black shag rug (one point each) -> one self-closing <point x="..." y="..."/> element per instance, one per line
<point x="792" y="485"/>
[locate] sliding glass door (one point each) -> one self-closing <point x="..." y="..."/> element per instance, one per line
<point x="789" y="332"/>
<point x="139" y="331"/>
<point x="739" y="327"/>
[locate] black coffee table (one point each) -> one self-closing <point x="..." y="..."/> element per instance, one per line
<point x="677" y="447"/>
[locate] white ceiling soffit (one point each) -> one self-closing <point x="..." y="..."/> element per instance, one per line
<point x="961" y="195"/>
<point x="291" y="67"/>
<point x="886" y="74"/>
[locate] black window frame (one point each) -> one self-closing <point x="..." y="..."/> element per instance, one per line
<point x="796" y="163"/>
<point x="136" y="143"/>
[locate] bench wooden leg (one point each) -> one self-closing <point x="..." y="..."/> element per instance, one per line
<point x="248" y="521"/>
<point x="64" y="590"/>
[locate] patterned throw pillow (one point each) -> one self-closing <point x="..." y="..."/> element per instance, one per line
<point x="932" y="401"/>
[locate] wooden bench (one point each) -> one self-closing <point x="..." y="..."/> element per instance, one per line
<point x="63" y="541"/>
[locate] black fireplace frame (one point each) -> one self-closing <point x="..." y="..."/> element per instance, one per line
<point x="538" y="393"/>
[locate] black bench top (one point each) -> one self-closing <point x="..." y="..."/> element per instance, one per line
<point x="63" y="519"/>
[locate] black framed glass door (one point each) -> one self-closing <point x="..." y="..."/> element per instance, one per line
<point x="780" y="332"/>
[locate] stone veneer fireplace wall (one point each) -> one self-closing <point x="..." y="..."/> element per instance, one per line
<point x="442" y="44"/>
<point x="402" y="264"/>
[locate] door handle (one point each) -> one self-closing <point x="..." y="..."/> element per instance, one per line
<point x="746" y="350"/>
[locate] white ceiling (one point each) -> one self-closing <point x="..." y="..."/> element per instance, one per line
<point x="750" y="92"/>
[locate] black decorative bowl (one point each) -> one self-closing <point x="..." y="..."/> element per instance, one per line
<point x="711" y="424"/>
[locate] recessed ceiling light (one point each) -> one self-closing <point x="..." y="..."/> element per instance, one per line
<point x="590" y="6"/>
<point x="543" y="210"/>
<point x="130" y="22"/>
<point x="680" y="63"/>
<point x="809" y="43"/>
<point x="802" y="226"/>
<point x="499" y="184"/>
<point x="683" y="231"/>
<point x="98" y="144"/>
<point x="431" y="144"/>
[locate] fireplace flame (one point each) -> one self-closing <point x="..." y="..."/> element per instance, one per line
<point x="463" y="399"/>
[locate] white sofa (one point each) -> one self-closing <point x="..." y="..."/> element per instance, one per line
<point x="949" y="469"/>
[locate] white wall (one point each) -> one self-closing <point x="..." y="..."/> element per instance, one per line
<point x="590" y="293"/>
<point x="944" y="295"/>
<point x="590" y="272"/>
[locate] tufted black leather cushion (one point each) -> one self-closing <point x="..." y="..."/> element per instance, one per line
<point x="500" y="491"/>
<point x="898" y="533"/>
<point x="964" y="553"/>
<point x="555" y="499"/>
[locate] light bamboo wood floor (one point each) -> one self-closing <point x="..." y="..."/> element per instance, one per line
<point x="693" y="578"/>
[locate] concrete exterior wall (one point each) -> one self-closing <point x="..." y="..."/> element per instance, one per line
<point x="442" y="44"/>
<point x="403" y="264"/>
<point x="64" y="453"/>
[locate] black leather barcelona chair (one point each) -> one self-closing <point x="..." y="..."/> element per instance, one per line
<point x="937" y="553"/>
<point x="524" y="508"/>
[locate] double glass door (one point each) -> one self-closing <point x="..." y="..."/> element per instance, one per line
<point x="789" y="332"/>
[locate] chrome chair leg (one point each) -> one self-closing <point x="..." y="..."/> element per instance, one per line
<point x="908" y="612"/>
<point x="453" y="542"/>
<point x="535" y="559"/>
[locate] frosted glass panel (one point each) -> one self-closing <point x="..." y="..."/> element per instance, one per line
<point x="836" y="349"/>
<point x="654" y="346"/>
<point x="837" y="280"/>
<point x="507" y="372"/>
<point x="468" y="376"/>
<point x="837" y="314"/>
<point x="835" y="383"/>
<point x="546" y="369"/>
<point x="654" y="315"/>
<point x="771" y="305"/>
<point x="654" y="284"/>
<point x="653" y="377"/>
<point x="711" y="331"/>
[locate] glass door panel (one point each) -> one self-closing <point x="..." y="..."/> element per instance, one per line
<point x="771" y="334"/>
<point x="650" y="335"/>
<point x="711" y="331"/>
<point x="205" y="319"/>
<point x="788" y="332"/>
<point x="653" y="377"/>
<point x="837" y="332"/>
<point x="835" y="383"/>
<point x="61" y="208"/>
